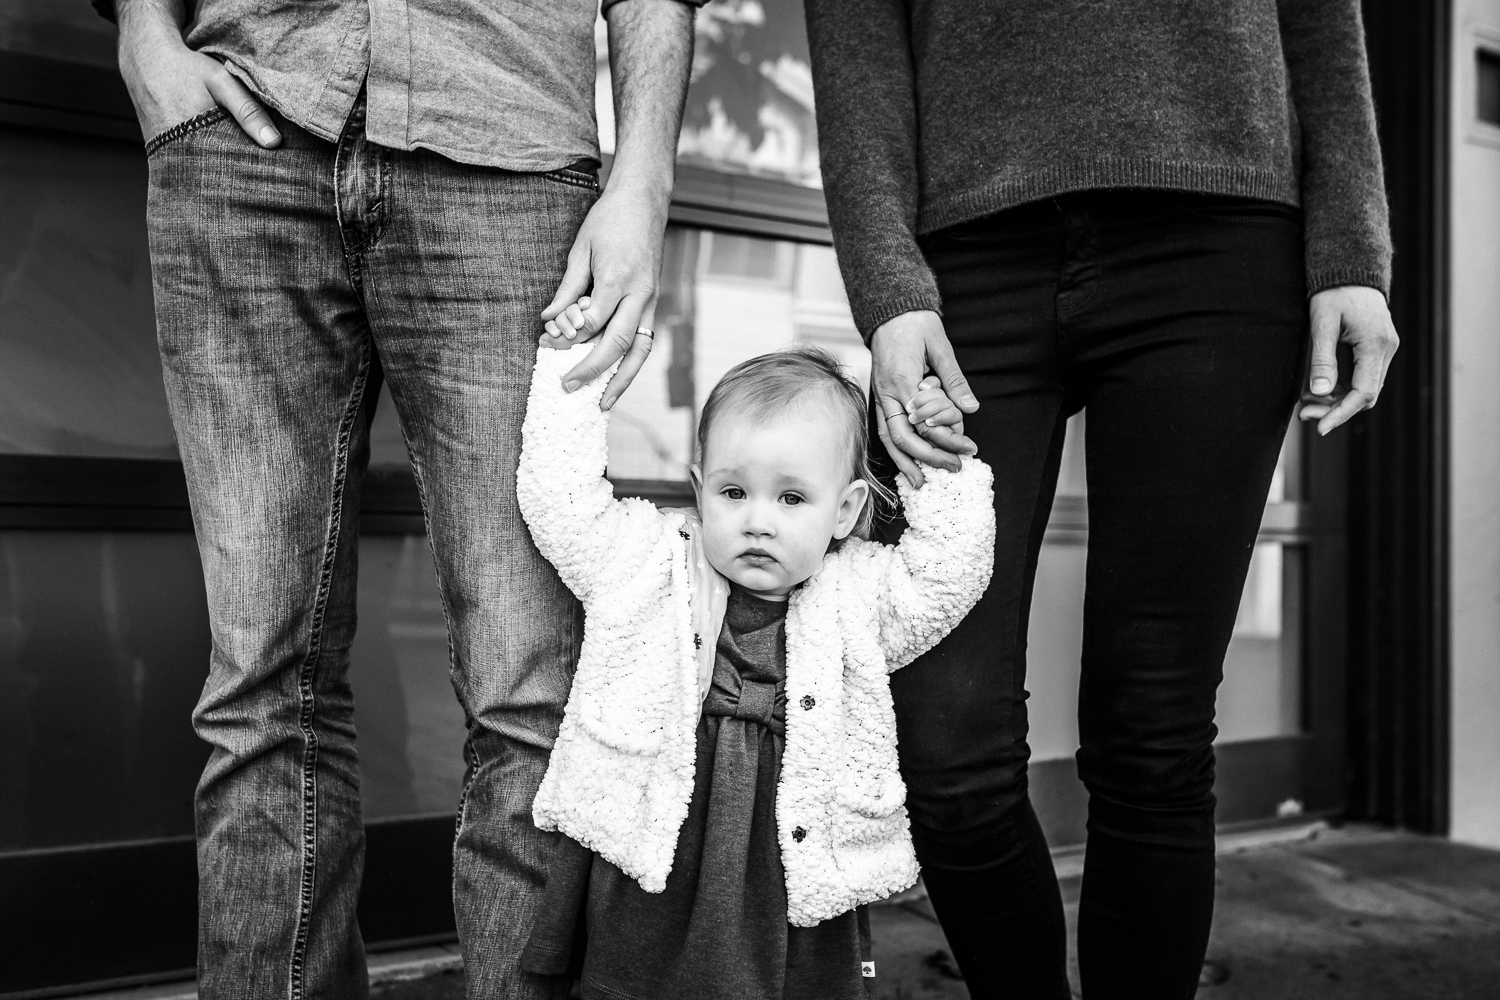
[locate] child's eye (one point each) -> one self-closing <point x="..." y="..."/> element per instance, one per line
<point x="732" y="493"/>
<point x="791" y="499"/>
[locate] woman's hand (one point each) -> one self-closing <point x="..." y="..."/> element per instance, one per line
<point x="903" y="350"/>
<point x="1358" y="316"/>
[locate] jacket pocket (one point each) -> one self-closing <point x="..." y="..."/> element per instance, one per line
<point x="1227" y="208"/>
<point x="212" y="116"/>
<point x="622" y="693"/>
<point x="618" y="727"/>
<point x="873" y="796"/>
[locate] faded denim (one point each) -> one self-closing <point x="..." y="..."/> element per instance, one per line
<point x="289" y="283"/>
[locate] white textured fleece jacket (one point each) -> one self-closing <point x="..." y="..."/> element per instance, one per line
<point x="621" y="773"/>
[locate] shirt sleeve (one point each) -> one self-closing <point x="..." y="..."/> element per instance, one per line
<point x="1343" y="187"/>
<point x="867" y="137"/>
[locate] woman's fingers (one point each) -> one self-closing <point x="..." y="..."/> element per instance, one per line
<point x="1323" y="371"/>
<point x="904" y="463"/>
<point x="940" y="357"/>
<point x="911" y="444"/>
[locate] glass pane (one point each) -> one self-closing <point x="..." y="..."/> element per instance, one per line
<point x="750" y="104"/>
<point x="411" y="728"/>
<point x="1261" y="695"/>
<point x="104" y="645"/>
<point x="724" y="298"/>
<point x="79" y="373"/>
<point x="68" y="30"/>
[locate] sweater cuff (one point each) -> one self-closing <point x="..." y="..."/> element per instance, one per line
<point x="869" y="317"/>
<point x="1372" y="277"/>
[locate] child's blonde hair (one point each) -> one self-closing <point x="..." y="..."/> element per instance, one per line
<point x="798" y="376"/>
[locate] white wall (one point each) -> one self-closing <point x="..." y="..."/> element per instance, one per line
<point x="1475" y="436"/>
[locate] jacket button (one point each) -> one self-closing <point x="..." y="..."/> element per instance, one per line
<point x="798" y="834"/>
<point x="808" y="701"/>
<point x="697" y="641"/>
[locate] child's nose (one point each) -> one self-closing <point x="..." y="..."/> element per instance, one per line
<point x="760" y="521"/>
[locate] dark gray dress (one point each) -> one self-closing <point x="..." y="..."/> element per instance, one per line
<point x="720" y="928"/>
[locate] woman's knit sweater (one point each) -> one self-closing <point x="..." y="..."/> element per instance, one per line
<point x="621" y="773"/>
<point x="935" y="112"/>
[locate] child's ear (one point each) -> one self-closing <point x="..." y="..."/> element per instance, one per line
<point x="696" y="472"/>
<point x="851" y="503"/>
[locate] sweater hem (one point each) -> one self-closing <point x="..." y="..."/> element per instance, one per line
<point x="1377" y="278"/>
<point x="999" y="193"/>
<point x="868" y="319"/>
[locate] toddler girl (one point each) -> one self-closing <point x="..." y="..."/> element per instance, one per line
<point x="725" y="771"/>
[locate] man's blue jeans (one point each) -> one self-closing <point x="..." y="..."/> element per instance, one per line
<point x="288" y="284"/>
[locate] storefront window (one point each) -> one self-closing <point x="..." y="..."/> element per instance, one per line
<point x="750" y="105"/>
<point x="724" y="299"/>
<point x="79" y="373"/>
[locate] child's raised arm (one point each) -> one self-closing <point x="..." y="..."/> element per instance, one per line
<point x="574" y="518"/>
<point x="942" y="565"/>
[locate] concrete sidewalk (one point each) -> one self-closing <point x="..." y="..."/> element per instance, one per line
<point x="1304" y="912"/>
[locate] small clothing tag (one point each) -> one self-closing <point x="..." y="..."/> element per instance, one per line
<point x="867" y="969"/>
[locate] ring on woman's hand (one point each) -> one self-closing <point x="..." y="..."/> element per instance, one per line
<point x="646" y="332"/>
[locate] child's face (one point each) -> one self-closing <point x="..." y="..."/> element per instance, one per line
<point x="773" y="493"/>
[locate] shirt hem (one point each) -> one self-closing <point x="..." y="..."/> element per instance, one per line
<point x="305" y="119"/>
<point x="999" y="193"/>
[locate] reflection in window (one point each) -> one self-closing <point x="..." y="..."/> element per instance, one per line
<point x="79" y="372"/>
<point x="58" y="30"/>
<point x="750" y="104"/>
<point x="411" y="728"/>
<point x="724" y="299"/>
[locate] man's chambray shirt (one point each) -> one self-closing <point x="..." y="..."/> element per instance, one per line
<point x="500" y="83"/>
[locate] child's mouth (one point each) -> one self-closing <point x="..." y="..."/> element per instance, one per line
<point x="757" y="557"/>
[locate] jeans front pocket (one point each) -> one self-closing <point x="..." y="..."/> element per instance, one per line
<point x="573" y="176"/>
<point x="1227" y="208"/>
<point x="212" y="116"/>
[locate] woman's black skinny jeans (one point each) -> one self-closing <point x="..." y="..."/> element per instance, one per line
<point x="1179" y="321"/>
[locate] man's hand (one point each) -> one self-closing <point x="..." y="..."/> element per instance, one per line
<point x="617" y="253"/>
<point x="169" y="83"/>
<point x="616" y="259"/>
<point x="902" y="351"/>
<point x="1357" y="316"/>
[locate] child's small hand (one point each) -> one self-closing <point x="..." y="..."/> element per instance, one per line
<point x="934" y="416"/>
<point x="567" y="328"/>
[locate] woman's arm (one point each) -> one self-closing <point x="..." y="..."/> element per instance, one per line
<point x="1348" y="242"/>
<point x="864" y="83"/>
<point x="932" y="578"/>
<point x="570" y="507"/>
<point x="1343" y="187"/>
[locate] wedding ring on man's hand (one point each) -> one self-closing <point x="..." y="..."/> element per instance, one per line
<point x="642" y="331"/>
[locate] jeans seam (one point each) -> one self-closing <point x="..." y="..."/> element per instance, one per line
<point x="296" y="986"/>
